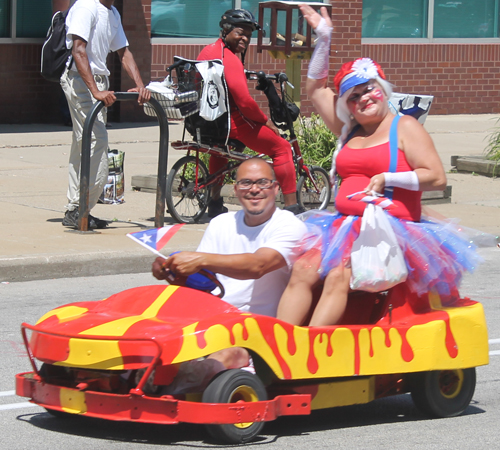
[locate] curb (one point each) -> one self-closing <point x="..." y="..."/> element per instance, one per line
<point x="477" y="165"/>
<point x="32" y="268"/>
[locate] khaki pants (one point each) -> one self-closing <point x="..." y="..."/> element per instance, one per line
<point x="80" y="102"/>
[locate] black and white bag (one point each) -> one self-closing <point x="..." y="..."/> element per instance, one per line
<point x="55" y="54"/>
<point x="213" y="102"/>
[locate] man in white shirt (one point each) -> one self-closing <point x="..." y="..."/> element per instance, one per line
<point x="251" y="251"/>
<point x="93" y="30"/>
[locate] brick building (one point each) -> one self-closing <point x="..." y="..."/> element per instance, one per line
<point x="450" y="50"/>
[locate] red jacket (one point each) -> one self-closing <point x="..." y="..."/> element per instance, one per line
<point x="240" y="99"/>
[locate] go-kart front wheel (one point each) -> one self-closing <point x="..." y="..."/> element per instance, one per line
<point x="60" y="414"/>
<point x="234" y="386"/>
<point x="443" y="393"/>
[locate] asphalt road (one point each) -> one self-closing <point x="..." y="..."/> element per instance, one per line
<point x="384" y="424"/>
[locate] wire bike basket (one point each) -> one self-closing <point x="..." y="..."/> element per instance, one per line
<point x="177" y="105"/>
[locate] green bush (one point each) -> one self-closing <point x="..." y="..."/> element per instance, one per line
<point x="492" y="151"/>
<point x="317" y="143"/>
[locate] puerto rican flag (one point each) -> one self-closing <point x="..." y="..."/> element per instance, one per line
<point x="372" y="197"/>
<point x="156" y="238"/>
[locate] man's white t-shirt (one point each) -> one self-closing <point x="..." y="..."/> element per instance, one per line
<point x="227" y="234"/>
<point x="100" y="27"/>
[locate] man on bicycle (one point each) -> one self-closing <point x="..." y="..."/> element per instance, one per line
<point x="251" y="250"/>
<point x="248" y="123"/>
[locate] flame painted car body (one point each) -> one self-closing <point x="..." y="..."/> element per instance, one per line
<point x="388" y="343"/>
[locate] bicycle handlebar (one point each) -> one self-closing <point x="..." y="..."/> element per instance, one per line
<point x="173" y="66"/>
<point x="280" y="77"/>
<point x="187" y="66"/>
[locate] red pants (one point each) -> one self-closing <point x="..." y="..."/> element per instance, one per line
<point x="262" y="139"/>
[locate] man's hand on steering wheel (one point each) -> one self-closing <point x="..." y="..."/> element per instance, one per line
<point x="184" y="263"/>
<point x="201" y="279"/>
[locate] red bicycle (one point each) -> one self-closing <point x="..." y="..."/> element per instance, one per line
<point x="189" y="182"/>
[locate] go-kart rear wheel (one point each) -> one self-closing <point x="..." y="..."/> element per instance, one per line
<point x="234" y="386"/>
<point x="443" y="393"/>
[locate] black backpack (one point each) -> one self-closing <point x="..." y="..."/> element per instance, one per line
<point x="54" y="51"/>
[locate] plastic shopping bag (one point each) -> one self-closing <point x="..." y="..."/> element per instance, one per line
<point x="377" y="260"/>
<point x="213" y="97"/>
<point x="114" y="190"/>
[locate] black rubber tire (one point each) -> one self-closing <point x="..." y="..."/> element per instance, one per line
<point x="60" y="414"/>
<point x="229" y="387"/>
<point x="183" y="203"/>
<point x="311" y="197"/>
<point x="443" y="393"/>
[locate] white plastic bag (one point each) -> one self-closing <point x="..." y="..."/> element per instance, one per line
<point x="377" y="260"/>
<point x="213" y="97"/>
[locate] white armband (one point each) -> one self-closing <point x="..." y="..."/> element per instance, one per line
<point x="318" y="66"/>
<point x="404" y="180"/>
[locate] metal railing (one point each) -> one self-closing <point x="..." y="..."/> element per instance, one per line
<point x="84" y="211"/>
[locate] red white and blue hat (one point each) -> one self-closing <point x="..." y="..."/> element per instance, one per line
<point x="356" y="72"/>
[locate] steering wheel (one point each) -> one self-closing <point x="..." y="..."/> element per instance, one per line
<point x="204" y="280"/>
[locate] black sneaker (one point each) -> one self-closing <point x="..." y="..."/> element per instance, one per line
<point x="71" y="220"/>
<point x="296" y="209"/>
<point x="216" y="207"/>
<point x="99" y="223"/>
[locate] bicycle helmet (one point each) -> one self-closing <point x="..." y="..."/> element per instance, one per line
<point x="238" y="17"/>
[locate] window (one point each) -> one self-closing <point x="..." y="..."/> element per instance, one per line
<point x="395" y="18"/>
<point x="32" y="18"/>
<point x="187" y="18"/>
<point x="195" y="18"/>
<point x="430" y="19"/>
<point x="4" y="18"/>
<point x="466" y="19"/>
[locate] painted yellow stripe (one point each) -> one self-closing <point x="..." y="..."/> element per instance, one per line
<point x="342" y="393"/>
<point x="93" y="354"/>
<point x="120" y="326"/>
<point x="63" y="313"/>
<point x="100" y="354"/>
<point x="72" y="401"/>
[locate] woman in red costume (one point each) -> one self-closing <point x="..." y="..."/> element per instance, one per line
<point x="435" y="255"/>
<point x="248" y="123"/>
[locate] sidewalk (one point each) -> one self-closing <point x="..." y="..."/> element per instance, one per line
<point x="33" y="182"/>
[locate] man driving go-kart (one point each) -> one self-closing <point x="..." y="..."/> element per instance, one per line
<point x="251" y="250"/>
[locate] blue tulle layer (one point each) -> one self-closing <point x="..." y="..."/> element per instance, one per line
<point x="436" y="253"/>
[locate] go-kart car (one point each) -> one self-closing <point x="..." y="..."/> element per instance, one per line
<point x="112" y="359"/>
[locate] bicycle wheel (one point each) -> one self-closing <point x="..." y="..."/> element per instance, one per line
<point x="314" y="191"/>
<point x="187" y="197"/>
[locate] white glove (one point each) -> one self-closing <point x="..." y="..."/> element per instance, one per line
<point x="318" y="66"/>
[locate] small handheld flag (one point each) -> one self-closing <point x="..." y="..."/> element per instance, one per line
<point x="156" y="238"/>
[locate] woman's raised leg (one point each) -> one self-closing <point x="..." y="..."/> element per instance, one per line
<point x="295" y="303"/>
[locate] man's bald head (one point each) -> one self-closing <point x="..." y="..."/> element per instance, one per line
<point x="259" y="162"/>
